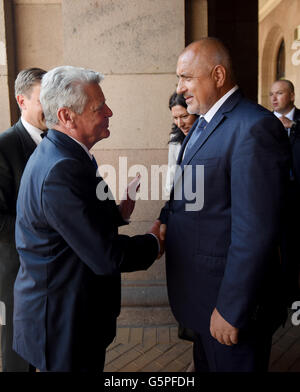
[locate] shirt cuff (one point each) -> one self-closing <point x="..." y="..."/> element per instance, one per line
<point x="158" y="244"/>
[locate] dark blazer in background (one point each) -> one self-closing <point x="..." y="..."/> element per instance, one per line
<point x="16" y="146"/>
<point x="295" y="143"/>
<point x="67" y="292"/>
<point x="226" y="255"/>
<point x="291" y="248"/>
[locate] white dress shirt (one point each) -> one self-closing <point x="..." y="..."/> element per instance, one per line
<point x="290" y="116"/>
<point x="213" y="110"/>
<point x="34" y="132"/>
<point x="83" y="146"/>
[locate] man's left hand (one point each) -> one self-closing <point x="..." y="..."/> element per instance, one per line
<point x="221" y="330"/>
<point x="127" y="203"/>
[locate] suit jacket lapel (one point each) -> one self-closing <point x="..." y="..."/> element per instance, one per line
<point x="185" y="141"/>
<point x="228" y="105"/>
<point x="211" y="126"/>
<point x="70" y="145"/>
<point x="27" y="144"/>
<point x="297" y="114"/>
<point x="296" y="118"/>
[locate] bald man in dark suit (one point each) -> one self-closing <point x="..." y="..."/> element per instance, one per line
<point x="222" y="260"/>
<point x="282" y="98"/>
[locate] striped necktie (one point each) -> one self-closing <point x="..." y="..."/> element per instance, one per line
<point x="195" y="135"/>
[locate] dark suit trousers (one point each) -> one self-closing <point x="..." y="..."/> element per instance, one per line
<point x="251" y="354"/>
<point x="96" y="366"/>
<point x="11" y="361"/>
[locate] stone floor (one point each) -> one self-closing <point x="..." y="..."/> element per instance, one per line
<point x="155" y="349"/>
<point x="158" y="349"/>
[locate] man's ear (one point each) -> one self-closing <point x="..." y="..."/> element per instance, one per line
<point x="292" y="97"/>
<point x="219" y="75"/>
<point x="21" y="101"/>
<point x="65" y="116"/>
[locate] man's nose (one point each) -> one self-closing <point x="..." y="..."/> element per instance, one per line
<point x="179" y="121"/>
<point x="109" y="112"/>
<point x="180" y="87"/>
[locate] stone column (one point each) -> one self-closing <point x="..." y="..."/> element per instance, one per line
<point x="196" y="22"/>
<point x="38" y="33"/>
<point x="135" y="43"/>
<point x="7" y="66"/>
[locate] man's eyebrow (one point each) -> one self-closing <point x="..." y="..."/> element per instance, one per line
<point x="183" y="75"/>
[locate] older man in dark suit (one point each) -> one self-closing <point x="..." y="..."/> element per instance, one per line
<point x="282" y="98"/>
<point x="223" y="265"/>
<point x="16" y="146"/>
<point x="67" y="292"/>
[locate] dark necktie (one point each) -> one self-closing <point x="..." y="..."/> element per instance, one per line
<point x="195" y="135"/>
<point x="94" y="162"/>
<point x="43" y="134"/>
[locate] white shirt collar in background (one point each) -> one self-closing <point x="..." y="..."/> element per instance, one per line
<point x="34" y="132"/>
<point x="290" y="114"/>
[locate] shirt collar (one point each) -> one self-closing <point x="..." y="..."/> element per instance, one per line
<point x="213" y="110"/>
<point x="289" y="115"/>
<point x="33" y="131"/>
<point x="83" y="146"/>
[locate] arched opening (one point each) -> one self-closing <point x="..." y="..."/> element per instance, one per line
<point x="280" y="61"/>
<point x="273" y="54"/>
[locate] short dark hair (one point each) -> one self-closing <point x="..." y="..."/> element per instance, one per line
<point x="26" y="79"/>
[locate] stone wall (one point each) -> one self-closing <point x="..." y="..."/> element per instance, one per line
<point x="279" y="24"/>
<point x="135" y="44"/>
<point x="7" y="64"/>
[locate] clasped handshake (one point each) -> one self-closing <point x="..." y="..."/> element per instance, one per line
<point x="126" y="208"/>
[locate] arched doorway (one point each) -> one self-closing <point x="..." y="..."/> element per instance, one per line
<point x="280" y="61"/>
<point x="272" y="63"/>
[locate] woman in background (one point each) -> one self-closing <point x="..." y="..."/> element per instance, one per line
<point x="182" y="123"/>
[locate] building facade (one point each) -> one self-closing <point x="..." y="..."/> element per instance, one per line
<point x="135" y="44"/>
<point x="279" y="45"/>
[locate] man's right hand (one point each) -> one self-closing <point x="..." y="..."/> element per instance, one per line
<point x="159" y="230"/>
<point x="163" y="231"/>
<point x="287" y="123"/>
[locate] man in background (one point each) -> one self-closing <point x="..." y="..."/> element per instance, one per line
<point x="16" y="145"/>
<point x="282" y="98"/>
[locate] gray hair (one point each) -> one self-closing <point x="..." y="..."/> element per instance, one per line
<point x="64" y="87"/>
<point x="26" y="79"/>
